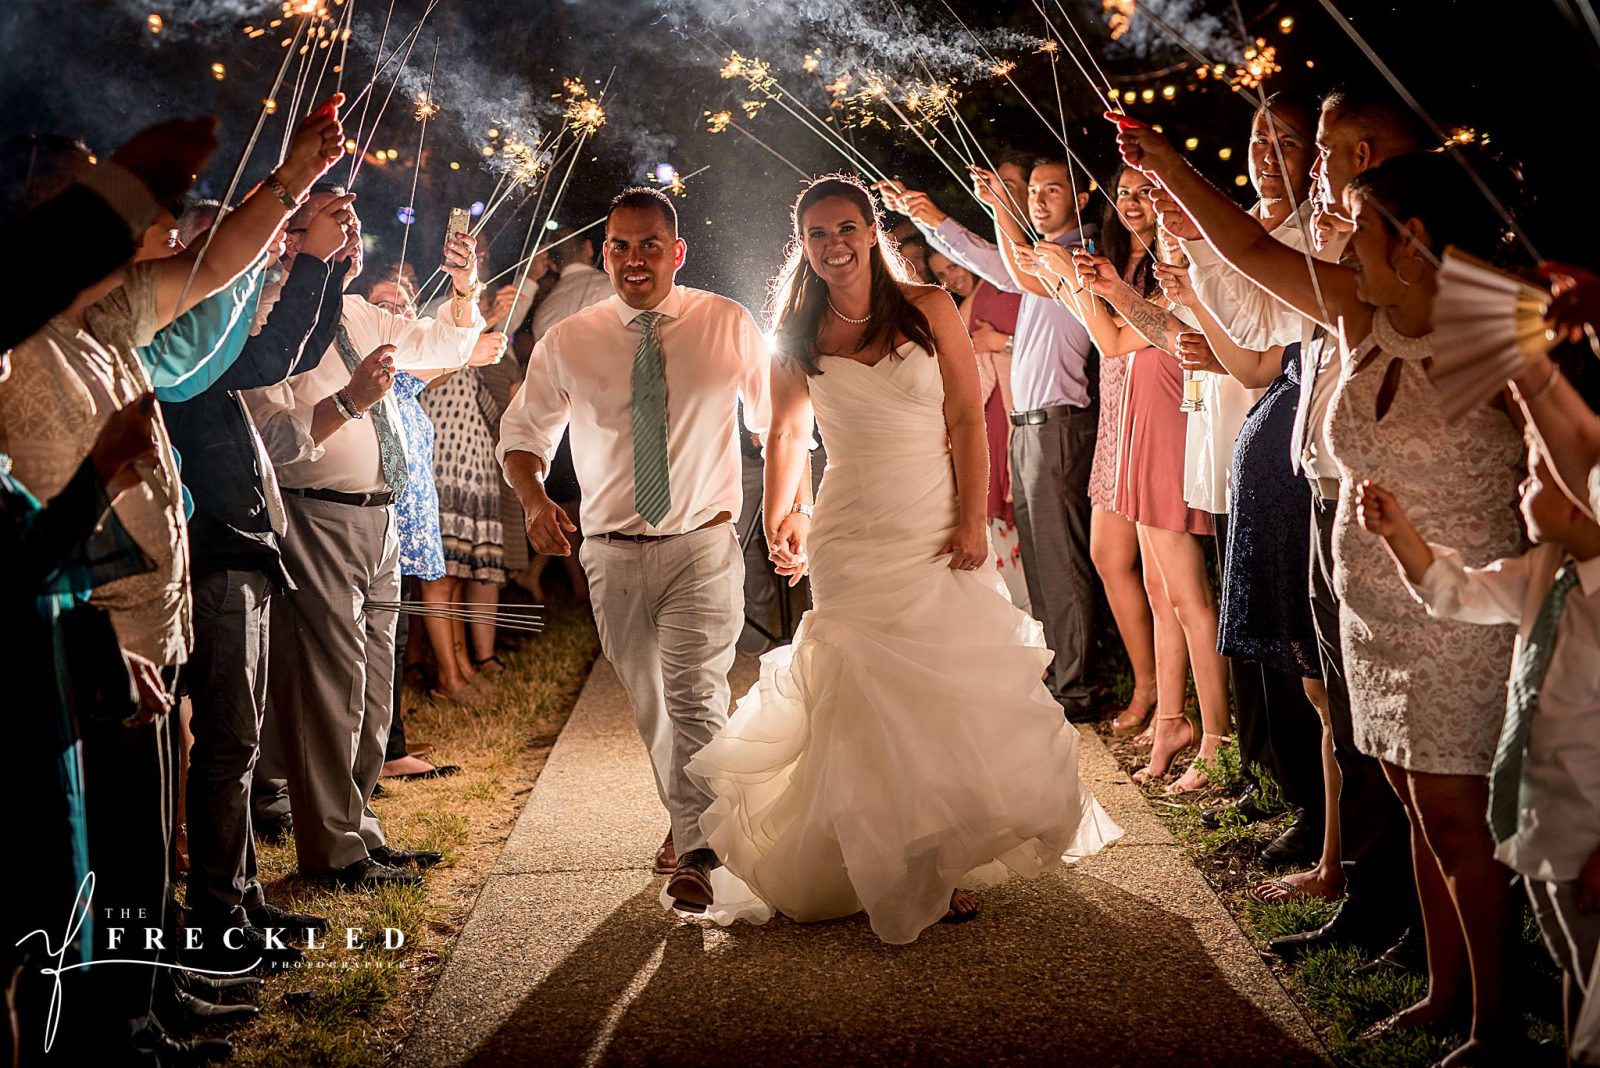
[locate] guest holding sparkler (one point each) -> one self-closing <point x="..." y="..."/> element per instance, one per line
<point x="1149" y="484"/>
<point x="1356" y="131"/>
<point x="332" y="679"/>
<point x="1054" y="421"/>
<point x="1266" y="630"/>
<point x="1425" y="700"/>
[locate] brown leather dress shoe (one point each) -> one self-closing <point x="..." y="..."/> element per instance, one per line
<point x="666" y="857"/>
<point x="690" y="885"/>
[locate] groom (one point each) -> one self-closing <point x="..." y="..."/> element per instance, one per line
<point x="649" y="381"/>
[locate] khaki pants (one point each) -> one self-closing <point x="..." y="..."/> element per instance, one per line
<point x="669" y="612"/>
<point x="331" y="683"/>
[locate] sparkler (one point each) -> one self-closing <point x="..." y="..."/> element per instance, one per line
<point x="426" y="109"/>
<point x="722" y="120"/>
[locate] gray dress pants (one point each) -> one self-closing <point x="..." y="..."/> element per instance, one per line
<point x="669" y="611"/>
<point x="1050" y="464"/>
<point x="332" y="679"/>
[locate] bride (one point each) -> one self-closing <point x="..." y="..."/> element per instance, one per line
<point x="903" y="749"/>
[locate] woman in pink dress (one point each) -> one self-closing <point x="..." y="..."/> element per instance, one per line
<point x="1149" y="484"/>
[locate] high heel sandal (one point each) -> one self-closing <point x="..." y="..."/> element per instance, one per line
<point x="1148" y="774"/>
<point x="1132" y="720"/>
<point x="1201" y="780"/>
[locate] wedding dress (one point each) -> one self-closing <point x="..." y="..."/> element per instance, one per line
<point x="904" y="744"/>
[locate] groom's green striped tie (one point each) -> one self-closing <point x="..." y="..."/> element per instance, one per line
<point x="1522" y="701"/>
<point x="652" y="484"/>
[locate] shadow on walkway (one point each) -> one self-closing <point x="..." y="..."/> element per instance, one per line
<point x="1061" y="970"/>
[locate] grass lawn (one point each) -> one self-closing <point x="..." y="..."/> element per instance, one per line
<point x="357" y="1010"/>
<point x="1338" y="1004"/>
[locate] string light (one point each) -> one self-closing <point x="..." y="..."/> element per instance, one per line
<point x="1169" y="91"/>
<point x="1192" y="143"/>
<point x="218" y="71"/>
<point x="154" y="21"/>
<point x="1240" y="180"/>
<point x="1286" y="24"/>
<point x="454" y="165"/>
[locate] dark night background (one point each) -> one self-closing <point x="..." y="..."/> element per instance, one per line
<point x="1523" y="73"/>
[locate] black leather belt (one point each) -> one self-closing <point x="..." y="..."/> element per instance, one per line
<point x="1040" y="416"/>
<point x="637" y="539"/>
<point x="360" y="500"/>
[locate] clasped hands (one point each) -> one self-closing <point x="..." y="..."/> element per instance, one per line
<point x="787" y="547"/>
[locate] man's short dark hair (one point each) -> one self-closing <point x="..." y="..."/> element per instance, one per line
<point x="642" y="196"/>
<point x="302" y="215"/>
<point x="1380" y="117"/>
<point x="566" y="249"/>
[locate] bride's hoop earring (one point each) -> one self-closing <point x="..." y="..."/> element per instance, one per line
<point x="1409" y="282"/>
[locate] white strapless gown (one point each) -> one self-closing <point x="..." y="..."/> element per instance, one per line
<point x="904" y="744"/>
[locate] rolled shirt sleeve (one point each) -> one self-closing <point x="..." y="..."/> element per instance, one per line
<point x="537" y="416"/>
<point x="418" y="343"/>
<point x="1252" y="317"/>
<point x="755" y="383"/>
<point x="285" y="427"/>
<point x="982" y="258"/>
<point x="1489" y="595"/>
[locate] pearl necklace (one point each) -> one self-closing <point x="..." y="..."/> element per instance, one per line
<point x="846" y="318"/>
<point x="1395" y="343"/>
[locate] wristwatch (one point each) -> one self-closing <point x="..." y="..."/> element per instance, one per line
<point x="280" y="191"/>
<point x="803" y="509"/>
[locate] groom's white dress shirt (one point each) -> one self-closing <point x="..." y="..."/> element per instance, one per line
<point x="581" y="375"/>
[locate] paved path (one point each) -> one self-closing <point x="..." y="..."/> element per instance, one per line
<point x="1127" y="958"/>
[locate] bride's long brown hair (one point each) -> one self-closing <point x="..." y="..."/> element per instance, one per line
<point x="800" y="296"/>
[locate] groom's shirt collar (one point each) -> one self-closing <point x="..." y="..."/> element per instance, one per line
<point x="671" y="306"/>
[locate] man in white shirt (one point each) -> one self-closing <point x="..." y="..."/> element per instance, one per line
<point x="580" y="284"/>
<point x="649" y="382"/>
<point x="331" y="671"/>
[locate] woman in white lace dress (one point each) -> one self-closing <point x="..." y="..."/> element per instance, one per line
<point x="904" y="745"/>
<point x="1426" y="697"/>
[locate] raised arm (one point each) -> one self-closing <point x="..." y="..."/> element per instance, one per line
<point x="1008" y="232"/>
<point x="1568" y="431"/>
<point x="1236" y="234"/>
<point x="243" y="235"/>
<point x="1253" y="369"/>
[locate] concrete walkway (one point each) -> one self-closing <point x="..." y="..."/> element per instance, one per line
<point x="1127" y="958"/>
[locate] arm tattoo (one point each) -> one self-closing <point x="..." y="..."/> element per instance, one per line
<point x="1150" y="322"/>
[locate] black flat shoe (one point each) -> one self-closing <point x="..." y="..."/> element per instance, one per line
<point x="370" y="874"/>
<point x="1347" y="928"/>
<point x="441" y="772"/>
<point x="1245" y="808"/>
<point x="1298" y="846"/>
<point x="182" y="1013"/>
<point x="153" y="1039"/>
<point x="420" y="859"/>
<point x="1409" y="954"/>
<point x="296" y="923"/>
<point x="222" y="989"/>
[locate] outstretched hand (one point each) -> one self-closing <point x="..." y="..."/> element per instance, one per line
<point x="1142" y="147"/>
<point x="318" y="143"/>
<point x="548" y="525"/>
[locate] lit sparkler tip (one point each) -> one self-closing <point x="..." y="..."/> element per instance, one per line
<point x="154" y="21"/>
<point x="1119" y="15"/>
<point x="585" y="116"/>
<point x="427" y="107"/>
<point x="1002" y="68"/>
<point x="1049" y="46"/>
<point x="716" y="122"/>
<point x="574" y="88"/>
<point x="811" y="63"/>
